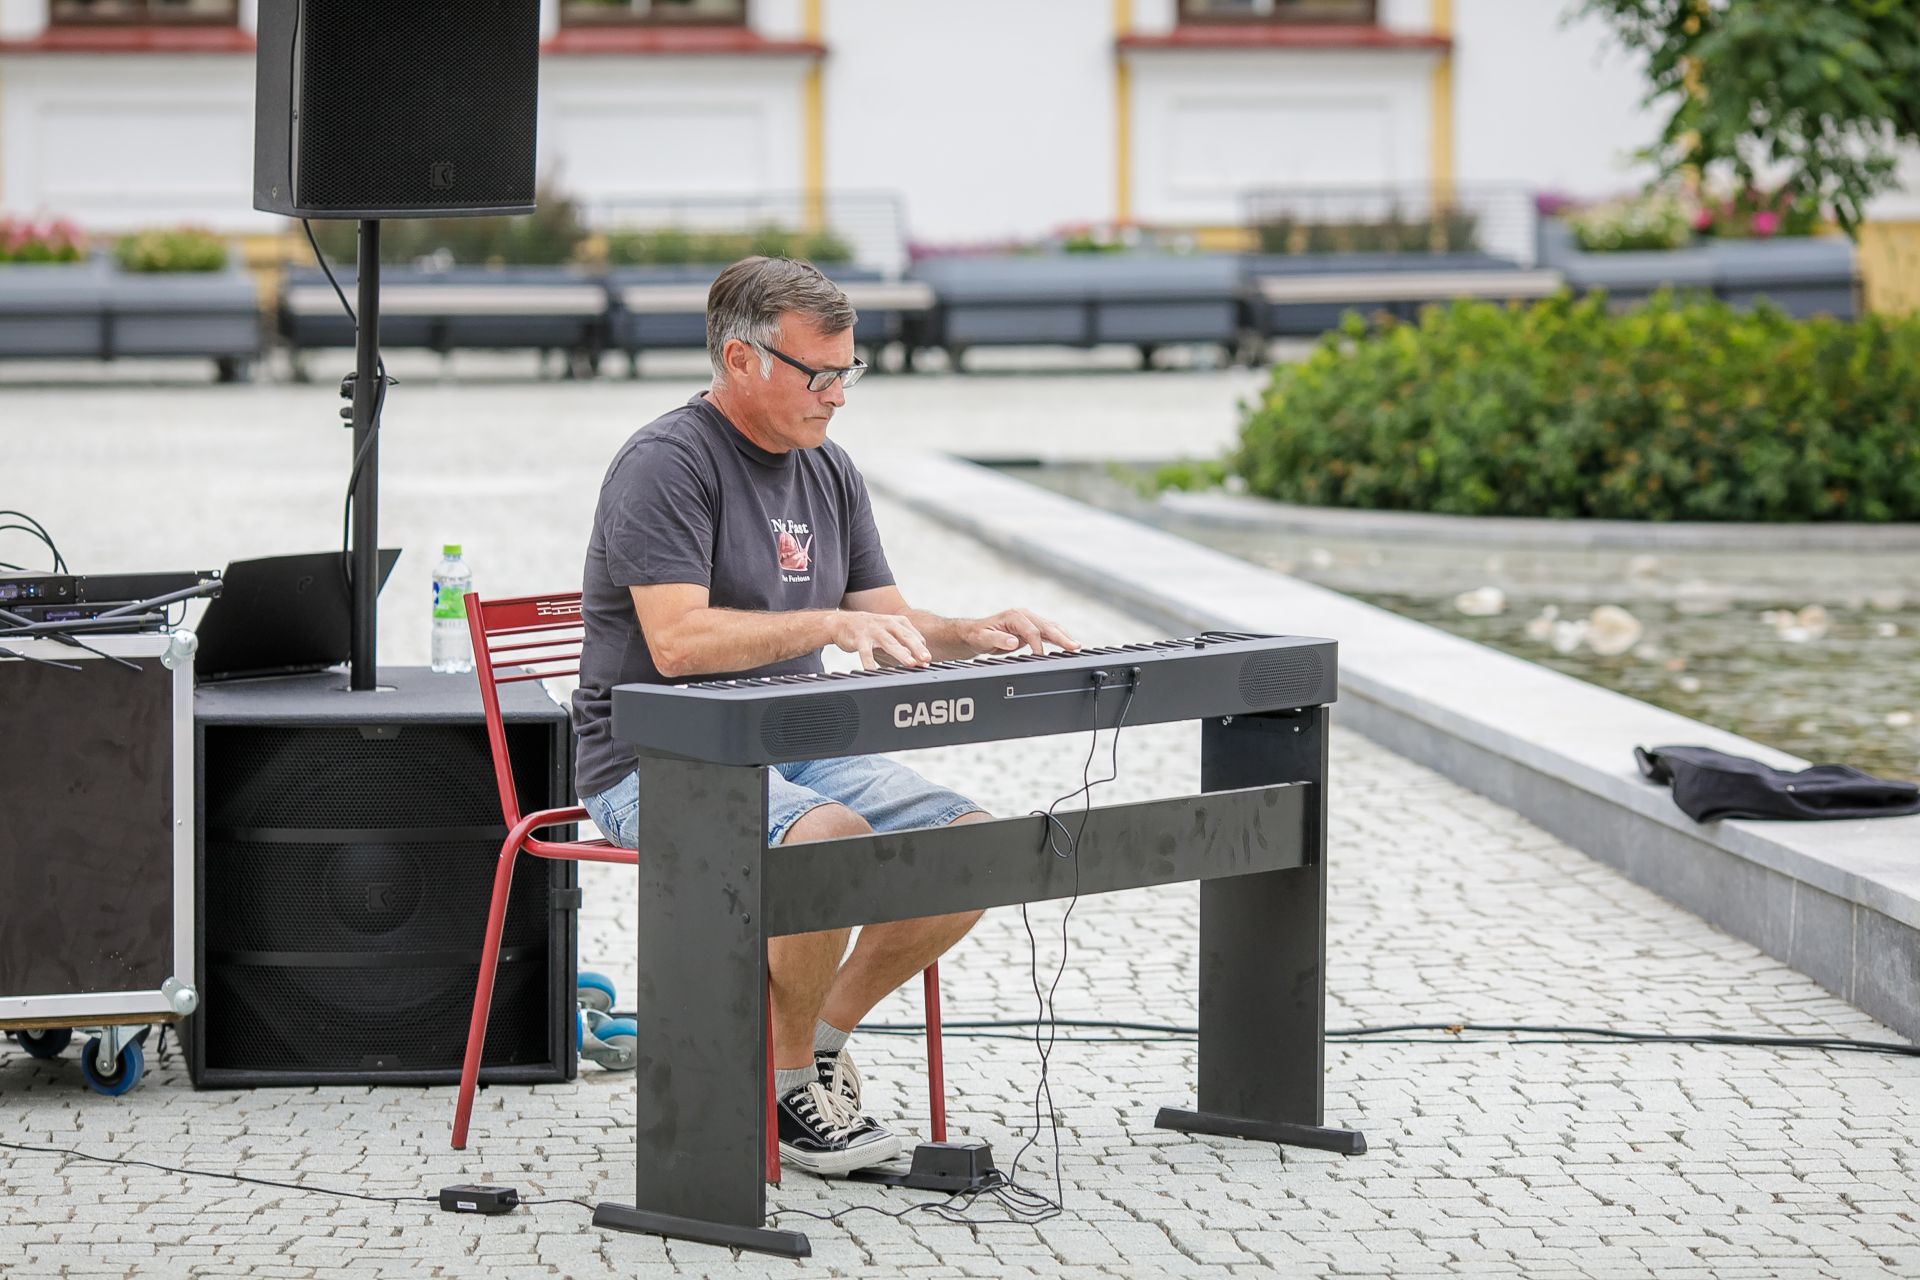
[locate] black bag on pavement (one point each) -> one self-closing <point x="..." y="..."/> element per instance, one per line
<point x="1709" y="785"/>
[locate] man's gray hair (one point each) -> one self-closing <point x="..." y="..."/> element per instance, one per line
<point x="749" y="297"/>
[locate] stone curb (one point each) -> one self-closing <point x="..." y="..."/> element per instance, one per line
<point x="1839" y="901"/>
<point x="1242" y="511"/>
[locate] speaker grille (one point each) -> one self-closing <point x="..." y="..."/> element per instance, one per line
<point x="1281" y="678"/>
<point x="329" y="1025"/>
<point x="802" y="727"/>
<point x="328" y="776"/>
<point x="417" y="104"/>
<point x="364" y="898"/>
<point x="345" y="882"/>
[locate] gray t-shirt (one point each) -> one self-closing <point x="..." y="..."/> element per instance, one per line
<point x="690" y="499"/>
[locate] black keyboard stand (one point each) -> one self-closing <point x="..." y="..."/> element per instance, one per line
<point x="711" y="893"/>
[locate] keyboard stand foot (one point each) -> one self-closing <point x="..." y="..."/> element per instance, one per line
<point x="624" y="1217"/>
<point x="1346" y="1142"/>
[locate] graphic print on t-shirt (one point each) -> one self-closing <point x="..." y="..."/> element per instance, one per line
<point x="795" y="556"/>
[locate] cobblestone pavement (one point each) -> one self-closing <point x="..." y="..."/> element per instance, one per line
<point x="1512" y="1159"/>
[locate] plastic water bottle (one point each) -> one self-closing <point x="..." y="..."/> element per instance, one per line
<point x="452" y="645"/>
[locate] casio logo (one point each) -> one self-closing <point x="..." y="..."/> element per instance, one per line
<point x="940" y="711"/>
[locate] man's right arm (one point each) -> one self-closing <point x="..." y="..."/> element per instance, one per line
<point x="686" y="636"/>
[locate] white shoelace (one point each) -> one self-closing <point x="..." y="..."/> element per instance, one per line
<point x="845" y="1080"/>
<point x="834" y="1116"/>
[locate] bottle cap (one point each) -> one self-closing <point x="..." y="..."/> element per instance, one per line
<point x="451" y="549"/>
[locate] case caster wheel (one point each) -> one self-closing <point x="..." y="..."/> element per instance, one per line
<point x="127" y="1069"/>
<point x="593" y="991"/>
<point x="50" y="1043"/>
<point x="611" y="1042"/>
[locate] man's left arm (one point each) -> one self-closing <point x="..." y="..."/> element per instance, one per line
<point x="949" y="638"/>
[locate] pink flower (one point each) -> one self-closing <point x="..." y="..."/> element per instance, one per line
<point x="1702" y="220"/>
<point x="1766" y="222"/>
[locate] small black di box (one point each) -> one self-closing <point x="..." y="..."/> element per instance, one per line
<point x="469" y="1197"/>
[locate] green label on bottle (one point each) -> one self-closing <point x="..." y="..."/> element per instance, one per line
<point x="449" y="602"/>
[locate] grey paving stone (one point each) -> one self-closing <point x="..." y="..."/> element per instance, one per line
<point x="1486" y="1159"/>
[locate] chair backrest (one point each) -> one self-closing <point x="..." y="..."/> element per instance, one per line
<point x="517" y="639"/>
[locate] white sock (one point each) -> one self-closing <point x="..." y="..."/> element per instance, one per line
<point x="828" y="1038"/>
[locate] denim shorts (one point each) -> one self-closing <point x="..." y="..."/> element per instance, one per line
<point x="890" y="796"/>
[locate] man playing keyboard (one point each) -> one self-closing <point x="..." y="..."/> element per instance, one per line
<point x="732" y="538"/>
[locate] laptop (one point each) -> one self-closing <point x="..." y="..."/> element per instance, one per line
<point x="281" y="615"/>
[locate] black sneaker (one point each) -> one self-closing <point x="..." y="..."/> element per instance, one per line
<point x="820" y="1133"/>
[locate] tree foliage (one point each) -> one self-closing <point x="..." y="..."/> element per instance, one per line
<point x="1815" y="95"/>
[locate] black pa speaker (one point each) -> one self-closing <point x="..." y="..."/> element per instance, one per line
<point x="403" y="109"/>
<point x="347" y="846"/>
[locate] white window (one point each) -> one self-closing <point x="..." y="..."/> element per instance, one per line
<point x="144" y="12"/>
<point x="697" y="13"/>
<point x="1341" y="11"/>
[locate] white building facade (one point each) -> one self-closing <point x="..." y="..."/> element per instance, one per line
<point x="979" y="121"/>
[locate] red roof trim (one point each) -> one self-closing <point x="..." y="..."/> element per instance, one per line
<point x="170" y="38"/>
<point x="675" y="40"/>
<point x="1285" y="35"/>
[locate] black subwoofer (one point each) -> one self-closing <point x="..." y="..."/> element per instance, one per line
<point x="404" y="109"/>
<point x="346" y="856"/>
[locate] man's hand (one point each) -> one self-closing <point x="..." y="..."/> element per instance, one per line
<point x="880" y="637"/>
<point x="951" y="638"/>
<point x="1010" y="629"/>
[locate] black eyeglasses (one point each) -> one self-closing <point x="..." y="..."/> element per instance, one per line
<point x="820" y="379"/>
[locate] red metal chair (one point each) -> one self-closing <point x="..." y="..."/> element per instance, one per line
<point x="537" y="637"/>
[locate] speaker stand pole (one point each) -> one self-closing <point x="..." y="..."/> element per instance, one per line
<point x="366" y="489"/>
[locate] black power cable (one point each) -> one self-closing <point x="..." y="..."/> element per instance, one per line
<point x="39" y="531"/>
<point x="1166" y="1033"/>
<point x="1450" y="1033"/>
<point x="1055" y="829"/>
<point x="11" y="623"/>
<point x="382" y="382"/>
<point x="77" y="1154"/>
<point x="1024" y="1204"/>
<point x="1030" y="1206"/>
<point x="1160" y="1034"/>
<point x="214" y="1173"/>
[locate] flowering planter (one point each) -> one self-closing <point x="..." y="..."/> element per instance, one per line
<point x="661" y="308"/>
<point x="1081" y="300"/>
<point x="1802" y="275"/>
<point x="92" y="310"/>
<point x="1307" y="294"/>
<point x="581" y="314"/>
<point x="509" y="308"/>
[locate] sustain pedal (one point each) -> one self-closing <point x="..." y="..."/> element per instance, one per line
<point x="938" y="1166"/>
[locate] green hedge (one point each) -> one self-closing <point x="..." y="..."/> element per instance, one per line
<point x="1680" y="409"/>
